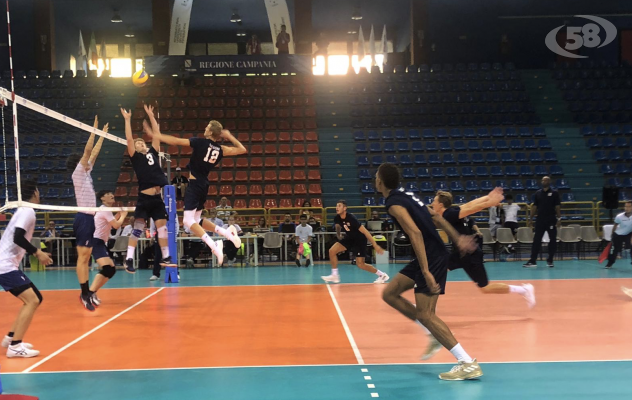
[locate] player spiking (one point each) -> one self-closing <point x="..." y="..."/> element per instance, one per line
<point x="207" y="154"/>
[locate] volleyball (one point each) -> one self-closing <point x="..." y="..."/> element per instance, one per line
<point x="140" y="78"/>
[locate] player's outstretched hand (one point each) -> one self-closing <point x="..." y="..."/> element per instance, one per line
<point x="149" y="109"/>
<point x="126" y="114"/>
<point x="96" y="121"/>
<point x="44" y="258"/>
<point x="466" y="244"/>
<point x="106" y="127"/>
<point x="496" y="196"/>
<point x="379" y="250"/>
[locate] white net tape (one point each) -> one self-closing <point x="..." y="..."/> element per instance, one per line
<point x="31" y="115"/>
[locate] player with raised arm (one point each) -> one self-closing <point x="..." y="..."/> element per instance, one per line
<point x="83" y="226"/>
<point x="151" y="180"/>
<point x="207" y="154"/>
<point x="104" y="221"/>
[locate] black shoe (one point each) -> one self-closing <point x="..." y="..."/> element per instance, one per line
<point x="307" y="262"/>
<point x="550" y="264"/>
<point x="298" y="262"/>
<point x="608" y="266"/>
<point x="166" y="262"/>
<point x="529" y="264"/>
<point x="86" y="302"/>
<point x="129" y="266"/>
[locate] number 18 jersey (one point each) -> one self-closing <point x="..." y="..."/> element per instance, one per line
<point x="206" y="155"/>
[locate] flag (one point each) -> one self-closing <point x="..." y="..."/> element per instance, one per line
<point x="605" y="253"/>
<point x="103" y="53"/>
<point x="361" y="53"/>
<point x="384" y="46"/>
<point x="372" y="46"/>
<point x="81" y="52"/>
<point x="92" y="50"/>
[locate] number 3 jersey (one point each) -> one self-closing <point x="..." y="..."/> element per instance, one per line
<point x="206" y="155"/>
<point x="148" y="170"/>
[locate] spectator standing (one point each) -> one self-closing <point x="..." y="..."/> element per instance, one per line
<point x="547" y="206"/>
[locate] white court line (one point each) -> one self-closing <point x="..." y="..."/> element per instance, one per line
<point x="29" y="369"/>
<point x="354" y="346"/>
<point x="302" y="366"/>
<point x="320" y="284"/>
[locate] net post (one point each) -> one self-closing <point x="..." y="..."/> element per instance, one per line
<point x="170" y="205"/>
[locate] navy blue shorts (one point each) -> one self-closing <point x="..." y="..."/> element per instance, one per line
<point x="99" y="249"/>
<point x="472" y="264"/>
<point x="356" y="245"/>
<point x="438" y="269"/>
<point x="150" y="207"/>
<point x="83" y="229"/>
<point x="13" y="280"/>
<point x="195" y="195"/>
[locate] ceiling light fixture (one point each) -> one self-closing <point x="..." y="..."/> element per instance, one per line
<point x="241" y="33"/>
<point x="116" y="18"/>
<point x="357" y="15"/>
<point x="235" y="17"/>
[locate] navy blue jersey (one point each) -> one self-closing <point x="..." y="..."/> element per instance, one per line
<point x="350" y="225"/>
<point x="206" y="155"/>
<point x="435" y="248"/>
<point x="462" y="225"/>
<point x="148" y="170"/>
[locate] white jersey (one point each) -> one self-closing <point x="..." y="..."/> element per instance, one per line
<point x="624" y="224"/>
<point x="10" y="253"/>
<point x="511" y="212"/>
<point x="304" y="232"/>
<point x="102" y="226"/>
<point x="84" y="188"/>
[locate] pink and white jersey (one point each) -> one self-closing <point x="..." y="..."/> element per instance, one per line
<point x="102" y="226"/>
<point x="84" y="188"/>
<point x="10" y="253"/>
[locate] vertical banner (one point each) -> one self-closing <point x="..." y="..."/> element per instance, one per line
<point x="180" y="18"/>
<point x="278" y="14"/>
<point x="372" y="46"/>
<point x="170" y="203"/>
<point x="384" y="47"/>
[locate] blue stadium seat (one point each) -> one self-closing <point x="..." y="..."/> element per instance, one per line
<point x="556" y="170"/>
<point x="434" y="159"/>
<point x="477" y="158"/>
<point x="511" y="170"/>
<point x="516" y="184"/>
<point x="607" y="143"/>
<point x="467" y="172"/>
<point x="387" y="135"/>
<point x="501" y="183"/>
<point x="535" y="157"/>
<point x="408" y="173"/>
<point x="532" y="184"/>
<point x="57" y="180"/>
<point x="621" y="143"/>
<point x="369" y="201"/>
<point x="525" y="170"/>
<point x="61" y="165"/>
<point x="452" y="172"/>
<point x="423" y="173"/>
<point x="367" y="188"/>
<point x="375" y="147"/>
<point x="43" y="179"/>
<point x="31" y="166"/>
<point x="455" y="133"/>
<point x="496" y="171"/>
<point x="593" y="143"/>
<point x="441" y="185"/>
<point x="47" y="165"/>
<point x="365" y="174"/>
<point x="391" y="159"/>
<point x="488" y="145"/>
<point x="413" y="134"/>
<point x="360" y="148"/>
<point x="52" y="194"/>
<point x="402" y="147"/>
<point x="401" y="134"/>
<point x="445" y="146"/>
<point x="459" y="199"/>
<point x="524" y="131"/>
<point x="448" y="159"/>
<point x="540" y="170"/>
<point x="389" y="147"/>
<point x="431" y="146"/>
<point x="521" y="198"/>
<point x="37" y="152"/>
<point x="567" y="197"/>
<point x="601" y="156"/>
<point x="362" y="161"/>
<point x="373" y="136"/>
<point x="420" y="159"/>
<point x="482" y="172"/>
<point x="67" y="193"/>
<point x="428" y="134"/>
<point x="538" y="131"/>
<point x="469" y="133"/>
<point x="486" y="186"/>
<point x="606" y="169"/>
<point x="381" y="202"/>
<point x="411" y="187"/>
<point x="459" y="146"/>
<point x="529" y="144"/>
<point x="627" y="183"/>
<point x="587" y="131"/>
<point x="405" y="160"/>
<point x="437" y="172"/>
<point x="511" y="132"/>
<point x="492" y="158"/>
<point x="562" y="184"/>
<point x="426" y="187"/>
<point x="472" y="186"/>
<point x="515" y="144"/>
<point x="358" y="135"/>
<point x="417" y="147"/>
<point x="614" y="155"/>
<point x="473" y="145"/>
<point x="622" y="169"/>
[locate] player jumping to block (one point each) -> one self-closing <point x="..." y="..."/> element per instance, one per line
<point x="104" y="221"/>
<point x="16" y="241"/>
<point x="355" y="240"/>
<point x="207" y="154"/>
<point x="151" y="180"/>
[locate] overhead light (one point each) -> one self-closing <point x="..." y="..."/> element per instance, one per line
<point x="241" y="33"/>
<point x="235" y="18"/>
<point x="352" y="30"/>
<point x="357" y="15"/>
<point x="129" y="34"/>
<point x="116" y="18"/>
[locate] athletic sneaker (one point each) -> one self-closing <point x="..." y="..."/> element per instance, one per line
<point x="87" y="303"/>
<point x="298" y="262"/>
<point x="307" y="262"/>
<point x="463" y="371"/>
<point x="529" y="264"/>
<point x="627" y="291"/>
<point x="166" y="262"/>
<point x="20" y="350"/>
<point x="154" y="278"/>
<point x="608" y="266"/>
<point x="129" y="266"/>
<point x="95" y="299"/>
<point x="331" y="278"/>
<point x="529" y="296"/>
<point x="381" y="279"/>
<point x="6" y="342"/>
<point x="219" y="252"/>
<point x="433" y="348"/>
<point x="232" y="237"/>
<point x="550" y="264"/>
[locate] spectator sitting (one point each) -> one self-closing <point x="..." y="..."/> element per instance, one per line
<point x="375" y="217"/>
<point x="262" y="226"/>
<point x="287" y="226"/>
<point x="304" y="209"/>
<point x="50" y="233"/>
<point x="180" y="182"/>
<point x="314" y="224"/>
<point x="212" y="216"/>
<point x="222" y="209"/>
<point x="303" y="235"/>
<point x="229" y="248"/>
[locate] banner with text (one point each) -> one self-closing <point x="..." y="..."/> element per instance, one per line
<point x="180" y="19"/>
<point x="255" y="64"/>
<point x="278" y="14"/>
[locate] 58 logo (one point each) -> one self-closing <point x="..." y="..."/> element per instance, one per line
<point x="578" y="36"/>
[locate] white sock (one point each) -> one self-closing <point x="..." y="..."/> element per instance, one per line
<point x="379" y="273"/>
<point x="130" y="252"/>
<point x="165" y="251"/>
<point x="517" y="289"/>
<point x="334" y="272"/>
<point x="210" y="242"/>
<point x="423" y="327"/>
<point x="460" y="354"/>
<point x="221" y="231"/>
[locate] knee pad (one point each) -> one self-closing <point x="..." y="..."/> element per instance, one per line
<point x="139" y="226"/>
<point x="198" y="215"/>
<point x="108" y="271"/>
<point x="189" y="218"/>
<point x="137" y="233"/>
<point x="162" y="232"/>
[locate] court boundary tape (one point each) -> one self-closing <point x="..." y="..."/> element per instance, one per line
<point x="354" y="346"/>
<point x="308" y="366"/>
<point x="80" y="338"/>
